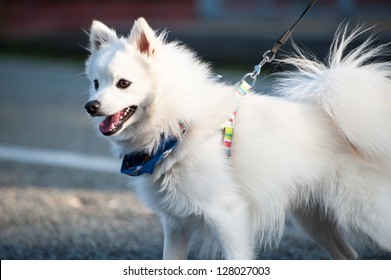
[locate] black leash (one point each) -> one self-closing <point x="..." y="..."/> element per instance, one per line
<point x="269" y="55"/>
<point x="284" y="38"/>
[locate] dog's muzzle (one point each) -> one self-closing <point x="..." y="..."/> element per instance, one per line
<point x="112" y="123"/>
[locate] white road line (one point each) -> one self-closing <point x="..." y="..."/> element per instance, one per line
<point x="59" y="159"/>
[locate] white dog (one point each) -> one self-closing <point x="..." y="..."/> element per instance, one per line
<point x="322" y="151"/>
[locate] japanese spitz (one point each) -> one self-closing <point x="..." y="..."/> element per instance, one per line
<point x="319" y="148"/>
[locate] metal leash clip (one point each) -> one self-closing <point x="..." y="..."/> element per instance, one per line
<point x="268" y="56"/>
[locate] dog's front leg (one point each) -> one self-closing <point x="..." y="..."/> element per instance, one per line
<point x="177" y="235"/>
<point x="231" y="226"/>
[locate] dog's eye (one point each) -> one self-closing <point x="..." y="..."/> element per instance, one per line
<point x="96" y="84"/>
<point x="123" y="84"/>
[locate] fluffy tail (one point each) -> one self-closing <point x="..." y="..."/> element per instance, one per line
<point x="354" y="88"/>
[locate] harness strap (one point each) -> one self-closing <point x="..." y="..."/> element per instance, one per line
<point x="228" y="130"/>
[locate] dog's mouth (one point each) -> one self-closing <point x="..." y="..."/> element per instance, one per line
<point x="113" y="123"/>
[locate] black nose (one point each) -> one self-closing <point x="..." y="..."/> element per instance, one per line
<point x="92" y="107"/>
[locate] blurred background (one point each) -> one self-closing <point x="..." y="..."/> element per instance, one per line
<point x="220" y="30"/>
<point x="61" y="194"/>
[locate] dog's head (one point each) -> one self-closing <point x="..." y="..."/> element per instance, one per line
<point x="120" y="71"/>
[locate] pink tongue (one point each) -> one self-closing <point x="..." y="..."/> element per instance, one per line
<point x="109" y="123"/>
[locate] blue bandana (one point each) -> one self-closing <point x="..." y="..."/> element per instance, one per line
<point x="138" y="163"/>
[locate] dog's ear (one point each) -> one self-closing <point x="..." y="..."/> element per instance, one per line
<point x="143" y="37"/>
<point x="100" y="34"/>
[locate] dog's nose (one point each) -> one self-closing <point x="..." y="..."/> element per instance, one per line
<point x="92" y="107"/>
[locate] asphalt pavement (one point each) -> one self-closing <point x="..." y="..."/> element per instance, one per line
<point x="61" y="196"/>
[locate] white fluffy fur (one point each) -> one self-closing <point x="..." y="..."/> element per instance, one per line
<point x="322" y="153"/>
